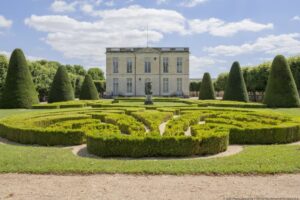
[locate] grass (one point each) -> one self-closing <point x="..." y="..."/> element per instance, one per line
<point x="258" y="159"/>
<point x="253" y="160"/>
<point x="160" y="104"/>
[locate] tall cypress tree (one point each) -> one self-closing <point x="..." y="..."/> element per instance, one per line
<point x="61" y="88"/>
<point x="88" y="89"/>
<point x="236" y="88"/>
<point x="281" y="88"/>
<point x="19" y="90"/>
<point x="207" y="90"/>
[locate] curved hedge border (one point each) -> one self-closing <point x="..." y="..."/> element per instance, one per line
<point x="132" y="103"/>
<point x="107" y="146"/>
<point x="276" y="135"/>
<point x="121" y="132"/>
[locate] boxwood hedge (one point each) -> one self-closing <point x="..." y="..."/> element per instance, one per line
<point x="134" y="133"/>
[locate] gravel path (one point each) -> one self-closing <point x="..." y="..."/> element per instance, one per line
<point x="134" y="187"/>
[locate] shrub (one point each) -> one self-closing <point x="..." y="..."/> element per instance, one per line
<point x="207" y="90"/>
<point x="236" y="88"/>
<point x="281" y="88"/>
<point x="45" y="106"/>
<point x="19" y="90"/>
<point x="41" y="136"/>
<point x="88" y="89"/>
<point x="224" y="103"/>
<point x="61" y="88"/>
<point x="276" y="135"/>
<point x="152" y="119"/>
<point x="178" y="126"/>
<point x="114" y="133"/>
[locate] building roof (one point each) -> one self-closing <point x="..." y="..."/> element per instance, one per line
<point x="147" y="49"/>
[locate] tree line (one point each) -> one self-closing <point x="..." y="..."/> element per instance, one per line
<point x="256" y="77"/>
<point x="43" y="72"/>
<point x="280" y="90"/>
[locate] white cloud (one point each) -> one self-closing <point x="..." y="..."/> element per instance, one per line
<point x="87" y="8"/>
<point x="5" y="23"/>
<point x="159" y="2"/>
<point x="296" y="18"/>
<point x="183" y="3"/>
<point x="32" y="58"/>
<point x="198" y="63"/>
<point x="110" y="3"/>
<point x="219" y="27"/>
<point x="192" y="3"/>
<point x="288" y="44"/>
<point x="6" y="53"/>
<point x="87" y="40"/>
<point x="61" y="6"/>
<point x="201" y="64"/>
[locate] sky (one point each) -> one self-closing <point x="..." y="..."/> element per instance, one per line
<point x="218" y="32"/>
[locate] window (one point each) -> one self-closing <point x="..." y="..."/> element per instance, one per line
<point x="129" y="65"/>
<point x="165" y="65"/>
<point x="147" y="65"/>
<point x="179" y="84"/>
<point x="115" y="86"/>
<point x="129" y="85"/>
<point x="115" y="65"/>
<point x="165" y="85"/>
<point x="179" y="65"/>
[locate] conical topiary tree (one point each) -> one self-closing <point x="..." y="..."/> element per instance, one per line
<point x="88" y="89"/>
<point x="207" y="90"/>
<point x="61" y="88"/>
<point x="236" y="88"/>
<point x="281" y="90"/>
<point x="19" y="90"/>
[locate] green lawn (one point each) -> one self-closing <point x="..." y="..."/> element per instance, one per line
<point x="160" y="104"/>
<point x="254" y="159"/>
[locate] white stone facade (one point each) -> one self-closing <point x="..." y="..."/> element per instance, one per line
<point x="128" y="69"/>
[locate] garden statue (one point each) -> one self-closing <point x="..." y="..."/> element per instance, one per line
<point x="148" y="92"/>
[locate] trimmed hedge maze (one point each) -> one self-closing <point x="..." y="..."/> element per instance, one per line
<point x="138" y="132"/>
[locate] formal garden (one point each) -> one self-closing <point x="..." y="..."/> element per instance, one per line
<point x="170" y="135"/>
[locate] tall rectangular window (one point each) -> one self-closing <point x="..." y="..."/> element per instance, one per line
<point x="129" y="85"/>
<point x="179" y="65"/>
<point x="129" y="65"/>
<point x="179" y="84"/>
<point x="115" y="86"/>
<point x="166" y="65"/>
<point x="165" y="85"/>
<point x="115" y="65"/>
<point x="147" y="65"/>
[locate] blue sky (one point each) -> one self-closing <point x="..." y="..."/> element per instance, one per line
<point x="218" y="32"/>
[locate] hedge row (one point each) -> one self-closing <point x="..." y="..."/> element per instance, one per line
<point x="109" y="146"/>
<point x="70" y="104"/>
<point x="222" y="103"/>
<point x="275" y="135"/>
<point x="114" y="133"/>
<point x="178" y="126"/>
<point x="152" y="119"/>
<point x="42" y="136"/>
